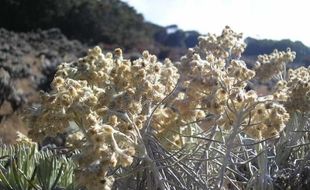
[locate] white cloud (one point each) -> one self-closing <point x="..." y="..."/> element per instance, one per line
<point x="274" y="19"/>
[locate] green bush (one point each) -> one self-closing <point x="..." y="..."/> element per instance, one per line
<point x="24" y="167"/>
<point x="108" y="21"/>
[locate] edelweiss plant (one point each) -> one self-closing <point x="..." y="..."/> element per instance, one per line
<point x="102" y="102"/>
<point x="194" y="124"/>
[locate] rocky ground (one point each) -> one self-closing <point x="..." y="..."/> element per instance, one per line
<point x="28" y="62"/>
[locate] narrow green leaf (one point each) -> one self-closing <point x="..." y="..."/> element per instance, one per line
<point x="58" y="176"/>
<point x="33" y="176"/>
<point x="15" y="174"/>
<point x="5" y="181"/>
<point x="29" y="181"/>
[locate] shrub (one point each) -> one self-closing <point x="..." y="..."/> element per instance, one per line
<point x="194" y="124"/>
<point x="24" y="167"/>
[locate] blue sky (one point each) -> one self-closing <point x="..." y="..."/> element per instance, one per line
<point x="271" y="19"/>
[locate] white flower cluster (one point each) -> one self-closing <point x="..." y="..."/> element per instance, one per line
<point x="294" y="92"/>
<point x="104" y="101"/>
<point x="213" y="85"/>
<point x="268" y="66"/>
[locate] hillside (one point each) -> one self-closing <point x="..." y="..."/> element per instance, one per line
<point x="113" y="23"/>
<point x="256" y="47"/>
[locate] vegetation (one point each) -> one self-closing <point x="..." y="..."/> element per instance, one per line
<point x="92" y="21"/>
<point x="107" y="122"/>
<point x="24" y="167"/>
<point x="194" y="124"/>
<point x="256" y="47"/>
<point x="116" y="24"/>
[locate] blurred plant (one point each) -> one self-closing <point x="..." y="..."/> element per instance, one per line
<point x="190" y="125"/>
<point x="24" y="167"/>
